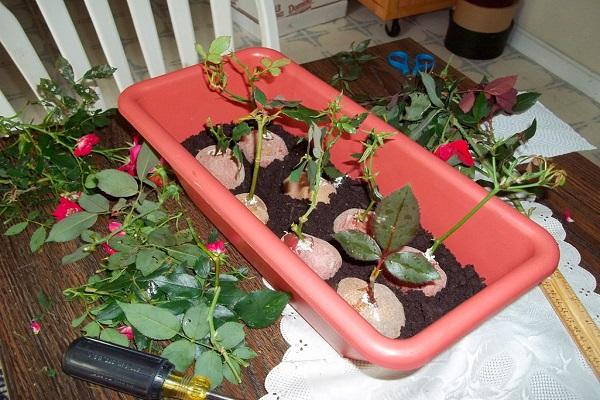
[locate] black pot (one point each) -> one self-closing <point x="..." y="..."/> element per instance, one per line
<point x="475" y="45"/>
<point x="479" y="29"/>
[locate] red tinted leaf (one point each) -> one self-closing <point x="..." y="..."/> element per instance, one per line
<point x="501" y="85"/>
<point x="467" y="101"/>
<point x="507" y="100"/>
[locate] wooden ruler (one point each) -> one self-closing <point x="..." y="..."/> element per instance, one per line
<point x="575" y="317"/>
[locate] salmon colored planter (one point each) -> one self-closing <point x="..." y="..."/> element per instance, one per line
<point x="512" y="253"/>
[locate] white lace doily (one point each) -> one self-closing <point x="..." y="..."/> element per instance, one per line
<point x="524" y="352"/>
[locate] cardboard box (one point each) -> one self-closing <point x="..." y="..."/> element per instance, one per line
<point x="292" y="15"/>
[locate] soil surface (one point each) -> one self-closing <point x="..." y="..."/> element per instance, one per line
<point x="421" y="311"/>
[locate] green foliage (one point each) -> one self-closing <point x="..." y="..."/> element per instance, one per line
<point x="72" y="226"/>
<point x="350" y="64"/>
<point x="113" y="336"/>
<point x="160" y="279"/>
<point x="410" y="267"/>
<point x="37" y="163"/>
<point x="396" y="220"/>
<point x="261" y="308"/>
<point x="359" y="245"/>
<point x="180" y="353"/>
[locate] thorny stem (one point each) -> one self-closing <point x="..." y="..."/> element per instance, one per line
<point x="214" y="336"/>
<point x="373" y="278"/>
<point x="217" y="271"/>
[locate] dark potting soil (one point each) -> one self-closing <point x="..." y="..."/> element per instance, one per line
<point x="420" y="310"/>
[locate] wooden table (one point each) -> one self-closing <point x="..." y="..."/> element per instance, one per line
<point x="22" y="275"/>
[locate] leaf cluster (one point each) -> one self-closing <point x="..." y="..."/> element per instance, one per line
<point x="395" y="223"/>
<point x="36" y="159"/>
<point x="433" y="112"/>
<point x="160" y="279"/>
<point x="350" y="64"/>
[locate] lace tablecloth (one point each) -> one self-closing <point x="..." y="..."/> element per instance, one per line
<point x="524" y="352"/>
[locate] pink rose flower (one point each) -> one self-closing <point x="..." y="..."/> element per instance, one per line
<point x="127" y="331"/>
<point x="85" y="144"/>
<point x="109" y="250"/>
<point x="112" y="227"/>
<point x="216" y="247"/>
<point x="35" y="327"/>
<point x="115" y="226"/>
<point x="458" y="148"/>
<point x="65" y="208"/>
<point x="134" y="150"/>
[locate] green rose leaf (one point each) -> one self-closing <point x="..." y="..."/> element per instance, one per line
<point x="180" y="353"/>
<point x="186" y="252"/>
<point x="419" y="103"/>
<point x="153" y="322"/>
<point x="92" y="329"/>
<point x="396" y="219"/>
<point x="259" y="96"/>
<point x="79" y="320"/>
<point x="229" y="374"/>
<point x="195" y="322"/>
<point x="37" y="239"/>
<point x="113" y="336"/>
<point x="359" y="245"/>
<point x="178" y="285"/>
<point x="146" y="160"/>
<point x="71" y="227"/>
<point x="245" y="353"/>
<point x="481" y="108"/>
<point x="162" y="237"/>
<point x="261" y="308"/>
<point x="202" y="265"/>
<point x="525" y="101"/>
<point x="219" y="45"/>
<point x="116" y="183"/>
<point x="429" y="83"/>
<point x="95" y="203"/>
<point x="411" y="267"/>
<point x="302" y="114"/>
<point x="16" y="228"/>
<point x="149" y="260"/>
<point x="230" y="334"/>
<point x="176" y="307"/>
<point x="209" y="364"/>
<point x="75" y="256"/>
<point x="240" y="130"/>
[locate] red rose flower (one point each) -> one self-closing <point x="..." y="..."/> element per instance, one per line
<point x="127" y="331"/>
<point x="85" y="144"/>
<point x="65" y="208"/>
<point x="458" y="148"/>
<point x="114" y="226"/>
<point x="35" y="327"/>
<point x="109" y="250"/>
<point x="134" y="150"/>
<point x="216" y="247"/>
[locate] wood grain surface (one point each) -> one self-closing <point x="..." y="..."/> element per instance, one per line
<point x="23" y="275"/>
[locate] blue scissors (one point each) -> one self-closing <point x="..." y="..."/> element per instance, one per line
<point x="399" y="60"/>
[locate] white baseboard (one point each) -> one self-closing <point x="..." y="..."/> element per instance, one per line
<point x="556" y="62"/>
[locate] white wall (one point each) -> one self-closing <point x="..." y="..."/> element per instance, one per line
<point x="570" y="26"/>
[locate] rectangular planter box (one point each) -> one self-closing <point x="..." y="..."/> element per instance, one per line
<point x="512" y="253"/>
